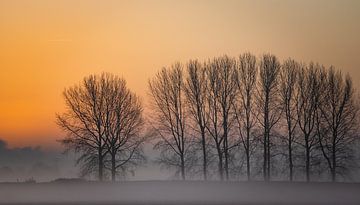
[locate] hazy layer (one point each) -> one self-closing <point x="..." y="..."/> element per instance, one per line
<point x="153" y="192"/>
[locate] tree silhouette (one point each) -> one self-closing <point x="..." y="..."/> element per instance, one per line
<point x="244" y="105"/>
<point x="169" y="117"/>
<point x="123" y="126"/>
<point x="221" y="77"/>
<point x="288" y="79"/>
<point x="102" y="117"/>
<point x="307" y="105"/>
<point x="338" y="124"/>
<point x="195" y="90"/>
<point x="268" y="102"/>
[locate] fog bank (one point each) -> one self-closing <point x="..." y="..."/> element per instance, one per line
<point x="175" y="192"/>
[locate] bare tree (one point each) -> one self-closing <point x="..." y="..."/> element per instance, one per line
<point x="123" y="126"/>
<point x="339" y="125"/>
<point x="288" y="79"/>
<point x="244" y="107"/>
<point x="195" y="90"/>
<point x="307" y="104"/>
<point x="228" y="90"/>
<point x="83" y="122"/>
<point x="169" y="117"/>
<point x="103" y="118"/>
<point x="221" y="95"/>
<point x="268" y="102"/>
<point x="213" y="114"/>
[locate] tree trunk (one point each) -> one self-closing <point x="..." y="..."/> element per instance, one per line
<point x="226" y="159"/>
<point x="333" y="170"/>
<point x="333" y="174"/>
<point x="290" y="160"/>
<point x="266" y="137"/>
<point x="221" y="173"/>
<point x="248" y="156"/>
<point x="101" y="164"/>
<point x="268" y="156"/>
<point x="203" y="142"/>
<point x="307" y="159"/>
<point x="182" y="167"/>
<point x="113" y="167"/>
<point x="265" y="159"/>
<point x="225" y="143"/>
<point x="248" y="141"/>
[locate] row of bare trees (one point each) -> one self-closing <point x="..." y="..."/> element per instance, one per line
<point x="104" y="123"/>
<point x="225" y="118"/>
<point x="229" y="117"/>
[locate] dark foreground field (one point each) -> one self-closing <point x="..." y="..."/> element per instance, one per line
<point x="181" y="193"/>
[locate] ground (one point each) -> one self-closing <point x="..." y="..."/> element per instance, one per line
<point x="176" y="192"/>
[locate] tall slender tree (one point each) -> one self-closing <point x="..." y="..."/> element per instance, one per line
<point x="195" y="90"/>
<point x="268" y="102"/>
<point x="307" y="104"/>
<point x="221" y="95"/>
<point x="339" y="122"/>
<point x="227" y="74"/>
<point x="169" y="117"/>
<point x="288" y="79"/>
<point x="214" y="114"/>
<point x="244" y="107"/>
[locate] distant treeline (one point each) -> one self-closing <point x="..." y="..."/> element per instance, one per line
<point x="222" y="119"/>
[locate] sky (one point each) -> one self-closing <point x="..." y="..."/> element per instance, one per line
<point x="47" y="46"/>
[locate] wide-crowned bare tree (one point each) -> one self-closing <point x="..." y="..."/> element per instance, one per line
<point x="307" y="104"/>
<point x="123" y="126"/>
<point x="268" y="105"/>
<point x="338" y="128"/>
<point x="90" y="121"/>
<point x="288" y="80"/>
<point x="168" y="118"/>
<point x="244" y="106"/>
<point x="83" y="123"/>
<point x="195" y="90"/>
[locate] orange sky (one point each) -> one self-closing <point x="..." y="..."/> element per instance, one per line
<point x="46" y="46"/>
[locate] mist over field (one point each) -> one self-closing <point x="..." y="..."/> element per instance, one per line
<point x="176" y="192"/>
<point x="44" y="165"/>
<point x="23" y="163"/>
